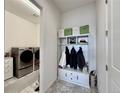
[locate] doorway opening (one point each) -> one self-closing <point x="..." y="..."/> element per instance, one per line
<point x="22" y="46"/>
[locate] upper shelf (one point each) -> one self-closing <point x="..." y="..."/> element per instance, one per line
<point x="73" y="44"/>
<point x="82" y="35"/>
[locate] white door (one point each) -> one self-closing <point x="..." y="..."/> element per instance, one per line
<point x="114" y="46"/>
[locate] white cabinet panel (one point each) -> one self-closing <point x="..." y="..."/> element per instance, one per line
<point x="61" y="33"/>
<point x="62" y="74"/>
<point x="83" y="79"/>
<point x="75" y="77"/>
<point x="76" y="31"/>
<point x="8" y="68"/>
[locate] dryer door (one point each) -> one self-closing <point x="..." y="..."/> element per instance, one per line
<point x="26" y="59"/>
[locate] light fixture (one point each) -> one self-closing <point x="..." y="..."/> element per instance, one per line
<point x="31" y="5"/>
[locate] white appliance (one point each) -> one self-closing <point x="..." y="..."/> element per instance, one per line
<point x="74" y="76"/>
<point x="8" y="68"/>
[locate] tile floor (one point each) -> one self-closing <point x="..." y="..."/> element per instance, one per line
<point x="30" y="89"/>
<point x="64" y="87"/>
<point x="10" y="81"/>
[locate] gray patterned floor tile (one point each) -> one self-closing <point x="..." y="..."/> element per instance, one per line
<point x="65" y="87"/>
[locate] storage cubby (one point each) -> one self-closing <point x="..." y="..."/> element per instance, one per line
<point x="71" y="40"/>
<point x="62" y="41"/>
<point x="76" y="40"/>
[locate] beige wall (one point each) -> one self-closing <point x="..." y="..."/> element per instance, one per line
<point x="38" y="34"/>
<point x="19" y="32"/>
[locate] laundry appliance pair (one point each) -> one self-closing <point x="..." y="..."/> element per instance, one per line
<point x="25" y="60"/>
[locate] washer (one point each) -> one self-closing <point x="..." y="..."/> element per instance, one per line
<point x="22" y="60"/>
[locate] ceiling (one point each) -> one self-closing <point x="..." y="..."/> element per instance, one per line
<point x="66" y="5"/>
<point x="19" y="8"/>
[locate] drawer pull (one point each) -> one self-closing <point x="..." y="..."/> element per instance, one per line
<point x="77" y="77"/>
<point x="65" y="74"/>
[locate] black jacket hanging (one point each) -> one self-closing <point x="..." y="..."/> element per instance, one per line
<point x="80" y="59"/>
<point x="73" y="59"/>
<point x="67" y="56"/>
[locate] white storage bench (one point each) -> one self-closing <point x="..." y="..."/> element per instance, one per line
<point x="74" y="76"/>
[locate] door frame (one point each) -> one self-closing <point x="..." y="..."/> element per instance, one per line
<point x="111" y="46"/>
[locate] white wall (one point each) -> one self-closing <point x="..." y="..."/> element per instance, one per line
<point x="101" y="45"/>
<point x="38" y="34"/>
<point x="19" y="32"/>
<point x="80" y="17"/>
<point x="50" y="24"/>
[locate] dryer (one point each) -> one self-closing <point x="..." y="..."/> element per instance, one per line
<point x="36" y="58"/>
<point x="22" y="60"/>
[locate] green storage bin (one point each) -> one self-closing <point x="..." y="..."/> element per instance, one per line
<point x="84" y="29"/>
<point x="67" y="31"/>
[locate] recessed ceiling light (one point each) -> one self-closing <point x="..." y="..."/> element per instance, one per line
<point x="31" y="5"/>
<point x="35" y="15"/>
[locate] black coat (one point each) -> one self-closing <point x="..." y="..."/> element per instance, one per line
<point x="73" y="59"/>
<point x="67" y="56"/>
<point x="80" y="59"/>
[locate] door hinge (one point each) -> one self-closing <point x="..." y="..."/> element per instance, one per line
<point x="106" y="32"/>
<point x="106" y="67"/>
<point x="106" y="1"/>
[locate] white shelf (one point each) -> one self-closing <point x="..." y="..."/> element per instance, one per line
<point x="74" y="70"/>
<point x="85" y="35"/>
<point x="71" y="44"/>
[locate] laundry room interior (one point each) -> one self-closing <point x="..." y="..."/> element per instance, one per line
<point x="60" y="46"/>
<point x="22" y="45"/>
